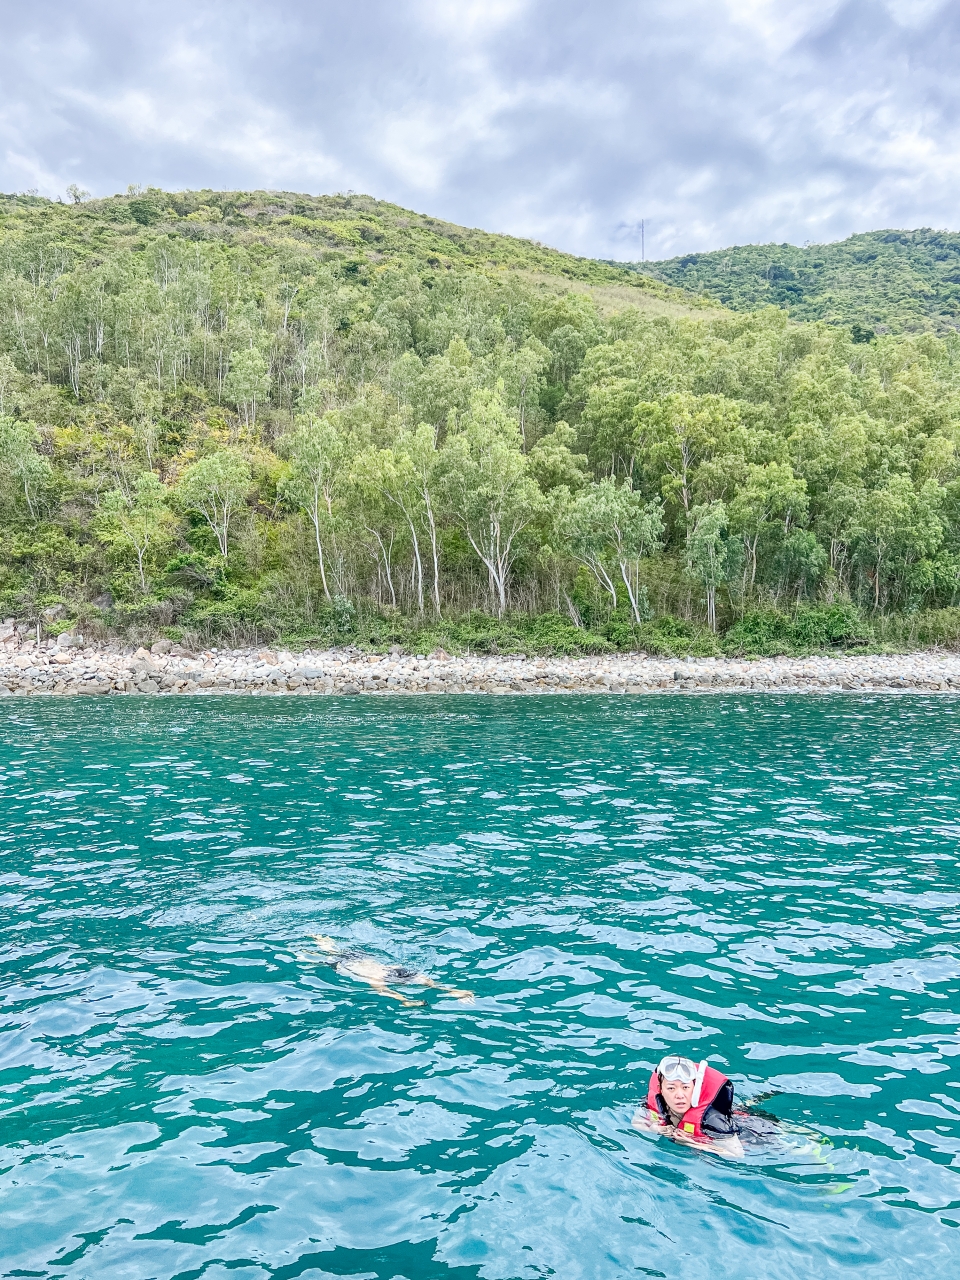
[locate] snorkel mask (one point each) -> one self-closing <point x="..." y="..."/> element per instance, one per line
<point x="675" y="1067"/>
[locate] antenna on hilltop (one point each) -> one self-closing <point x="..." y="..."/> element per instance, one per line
<point x="643" y="255"/>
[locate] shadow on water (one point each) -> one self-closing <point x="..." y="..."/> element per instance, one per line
<point x="187" y="1088"/>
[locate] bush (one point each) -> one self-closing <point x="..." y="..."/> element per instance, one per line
<point x="832" y="624"/>
<point x="670" y="637"/>
<point x="768" y="632"/>
<point x="923" y="629"/>
<point x="546" y="633"/>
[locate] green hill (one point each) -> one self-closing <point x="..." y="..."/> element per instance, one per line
<point x="352" y="231"/>
<point x="885" y="281"/>
<point x="233" y="416"/>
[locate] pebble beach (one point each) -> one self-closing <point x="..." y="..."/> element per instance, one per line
<point x="70" y="668"/>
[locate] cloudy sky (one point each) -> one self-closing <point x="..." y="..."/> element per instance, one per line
<point x="716" y="121"/>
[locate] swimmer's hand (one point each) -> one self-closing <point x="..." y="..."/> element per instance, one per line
<point x="730" y="1148"/>
<point x="465" y="997"/>
<point x="645" y="1119"/>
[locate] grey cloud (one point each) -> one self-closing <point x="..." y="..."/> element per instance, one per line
<point x="717" y="121"/>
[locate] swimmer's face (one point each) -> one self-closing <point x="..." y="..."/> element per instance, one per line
<point x="677" y="1095"/>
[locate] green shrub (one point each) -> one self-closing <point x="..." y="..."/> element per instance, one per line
<point x="670" y="637"/>
<point x="768" y="632"/>
<point x="923" y="629"/>
<point x="840" y="624"/>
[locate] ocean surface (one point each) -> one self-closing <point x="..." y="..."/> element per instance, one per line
<point x="189" y="1088"/>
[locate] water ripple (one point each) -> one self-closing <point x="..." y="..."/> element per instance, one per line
<point x="188" y="1089"/>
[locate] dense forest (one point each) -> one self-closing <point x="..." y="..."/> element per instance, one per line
<point x="241" y="416"/>
<point x="880" y="282"/>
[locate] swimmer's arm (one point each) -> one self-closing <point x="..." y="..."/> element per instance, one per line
<point x="383" y="990"/>
<point x="459" y="993"/>
<point x="730" y="1148"/>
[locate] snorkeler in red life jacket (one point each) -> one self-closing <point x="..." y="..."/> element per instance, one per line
<point x="693" y="1101"/>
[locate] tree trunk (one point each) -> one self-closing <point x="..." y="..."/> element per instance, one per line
<point x="435" y="554"/>
<point x="418" y="564"/>
<point x="315" y="521"/>
<point x="626" y="583"/>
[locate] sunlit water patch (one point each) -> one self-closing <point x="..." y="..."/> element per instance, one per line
<point x="190" y="1089"/>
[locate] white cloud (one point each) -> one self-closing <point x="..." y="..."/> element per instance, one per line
<point x="717" y="121"/>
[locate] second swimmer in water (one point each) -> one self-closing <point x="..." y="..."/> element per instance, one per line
<point x="382" y="977"/>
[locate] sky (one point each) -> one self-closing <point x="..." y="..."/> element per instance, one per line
<point x="716" y="122"/>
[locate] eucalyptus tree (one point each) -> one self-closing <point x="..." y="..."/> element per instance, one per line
<point x="772" y="497"/>
<point x="9" y="382"/>
<point x="608" y="528"/>
<point x="247" y="383"/>
<point x="387" y="476"/>
<point x="488" y="488"/>
<point x="711" y="554"/>
<point x="406" y="477"/>
<point x="896" y="530"/>
<point x="23" y="469"/>
<point x="317" y="456"/>
<point x="678" y="434"/>
<point x="421" y="458"/>
<point x="139" y="521"/>
<point x="217" y="487"/>
<point x="522" y="373"/>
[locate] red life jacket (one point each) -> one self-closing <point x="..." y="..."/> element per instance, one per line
<point x="705" y="1090"/>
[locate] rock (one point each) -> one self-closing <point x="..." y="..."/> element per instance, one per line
<point x="32" y="669"/>
<point x="54" y="613"/>
<point x="161" y="646"/>
<point x="104" y="600"/>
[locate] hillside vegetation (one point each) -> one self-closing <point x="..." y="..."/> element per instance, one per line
<point x="243" y="416"/>
<point x="884" y="281"/>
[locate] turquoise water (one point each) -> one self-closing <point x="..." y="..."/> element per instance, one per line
<point x="187" y="1091"/>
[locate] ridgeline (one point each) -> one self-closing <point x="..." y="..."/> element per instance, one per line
<point x="879" y="282"/>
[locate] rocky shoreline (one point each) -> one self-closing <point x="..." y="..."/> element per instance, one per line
<point x="67" y="667"/>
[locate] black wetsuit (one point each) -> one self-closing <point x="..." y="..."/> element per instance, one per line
<point x="721" y="1121"/>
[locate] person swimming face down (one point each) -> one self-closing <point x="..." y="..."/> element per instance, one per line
<point x="383" y="978"/>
